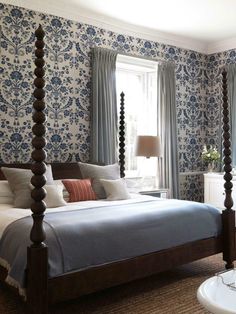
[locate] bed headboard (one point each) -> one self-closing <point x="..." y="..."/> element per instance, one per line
<point x="59" y="170"/>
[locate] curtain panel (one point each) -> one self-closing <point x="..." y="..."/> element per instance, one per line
<point x="104" y="120"/>
<point x="168" y="164"/>
<point x="231" y="80"/>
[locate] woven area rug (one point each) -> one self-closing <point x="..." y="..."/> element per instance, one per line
<point x="170" y="292"/>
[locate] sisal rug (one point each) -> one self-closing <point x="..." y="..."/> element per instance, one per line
<point x="170" y="292"/>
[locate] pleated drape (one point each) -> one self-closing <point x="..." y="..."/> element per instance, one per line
<point x="231" y="79"/>
<point x="104" y="107"/>
<point x="168" y="164"/>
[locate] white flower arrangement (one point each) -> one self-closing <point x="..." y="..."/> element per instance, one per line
<point x="210" y="154"/>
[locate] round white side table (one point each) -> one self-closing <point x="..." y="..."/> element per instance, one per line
<point x="218" y="294"/>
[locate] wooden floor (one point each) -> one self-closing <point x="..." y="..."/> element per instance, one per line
<point x="171" y="292"/>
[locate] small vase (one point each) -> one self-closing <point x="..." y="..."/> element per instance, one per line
<point x="211" y="166"/>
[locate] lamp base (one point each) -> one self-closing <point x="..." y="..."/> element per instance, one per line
<point x="148" y="182"/>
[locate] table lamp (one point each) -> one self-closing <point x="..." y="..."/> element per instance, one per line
<point x="148" y="146"/>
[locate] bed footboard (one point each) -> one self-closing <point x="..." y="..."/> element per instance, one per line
<point x="75" y="284"/>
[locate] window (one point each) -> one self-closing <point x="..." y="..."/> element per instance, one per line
<point x="137" y="78"/>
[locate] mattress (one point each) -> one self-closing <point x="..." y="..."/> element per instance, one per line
<point x="88" y="234"/>
<point x="8" y="214"/>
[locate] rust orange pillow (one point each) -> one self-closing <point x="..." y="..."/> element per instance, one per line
<point x="79" y="190"/>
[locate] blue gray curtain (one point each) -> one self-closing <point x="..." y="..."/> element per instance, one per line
<point x="168" y="164"/>
<point x="231" y="77"/>
<point x="104" y="107"/>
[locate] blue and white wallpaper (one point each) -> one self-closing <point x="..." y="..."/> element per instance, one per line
<point x="68" y="89"/>
<point x="214" y="115"/>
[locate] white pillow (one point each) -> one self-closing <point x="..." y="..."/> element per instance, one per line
<point x="95" y="172"/>
<point x="19" y="180"/>
<point x="115" y="189"/>
<point x="54" y="197"/>
<point x="6" y="195"/>
<point x="65" y="193"/>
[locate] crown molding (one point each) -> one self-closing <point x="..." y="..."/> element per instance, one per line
<point x="74" y="12"/>
<point x="141" y="32"/>
<point x="222" y="45"/>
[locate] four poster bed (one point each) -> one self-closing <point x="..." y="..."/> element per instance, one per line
<point x="42" y="289"/>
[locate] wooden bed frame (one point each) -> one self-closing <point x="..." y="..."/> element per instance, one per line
<point x="41" y="290"/>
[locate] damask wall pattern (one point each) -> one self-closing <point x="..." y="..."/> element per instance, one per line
<point x="68" y="90"/>
<point x="214" y="91"/>
<point x="192" y="186"/>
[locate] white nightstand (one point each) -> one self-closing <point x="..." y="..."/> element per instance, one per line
<point x="162" y="193"/>
<point x="214" y="192"/>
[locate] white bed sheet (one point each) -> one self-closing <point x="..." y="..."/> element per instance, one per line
<point x="8" y="213"/>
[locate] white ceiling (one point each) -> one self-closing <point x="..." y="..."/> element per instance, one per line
<point x="207" y="20"/>
<point x="203" y="25"/>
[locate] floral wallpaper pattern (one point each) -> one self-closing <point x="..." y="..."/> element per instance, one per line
<point x="213" y="116"/>
<point x="68" y="90"/>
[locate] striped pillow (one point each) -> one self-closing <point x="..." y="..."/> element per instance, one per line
<point x="79" y="190"/>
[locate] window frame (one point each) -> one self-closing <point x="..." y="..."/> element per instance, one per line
<point x="146" y="70"/>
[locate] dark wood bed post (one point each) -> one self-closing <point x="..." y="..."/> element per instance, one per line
<point x="37" y="254"/>
<point x="228" y="214"/>
<point x="122" y="136"/>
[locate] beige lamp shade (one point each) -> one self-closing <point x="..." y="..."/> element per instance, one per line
<point x="148" y="146"/>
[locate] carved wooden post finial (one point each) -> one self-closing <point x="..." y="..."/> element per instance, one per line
<point x="228" y="215"/>
<point x="37" y="254"/>
<point x="122" y="136"/>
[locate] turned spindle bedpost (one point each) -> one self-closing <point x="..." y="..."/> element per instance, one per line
<point x="37" y="254"/>
<point x="228" y="215"/>
<point x="122" y="136"/>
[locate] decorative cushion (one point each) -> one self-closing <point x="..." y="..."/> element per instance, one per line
<point x="115" y="189"/>
<point x="6" y="195"/>
<point x="79" y="190"/>
<point x="65" y="193"/>
<point x="54" y="197"/>
<point x="109" y="172"/>
<point x="19" y="180"/>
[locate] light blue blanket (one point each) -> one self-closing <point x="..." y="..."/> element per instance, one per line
<point x="89" y="237"/>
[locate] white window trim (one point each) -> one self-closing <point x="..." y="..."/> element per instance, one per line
<point x="142" y="68"/>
